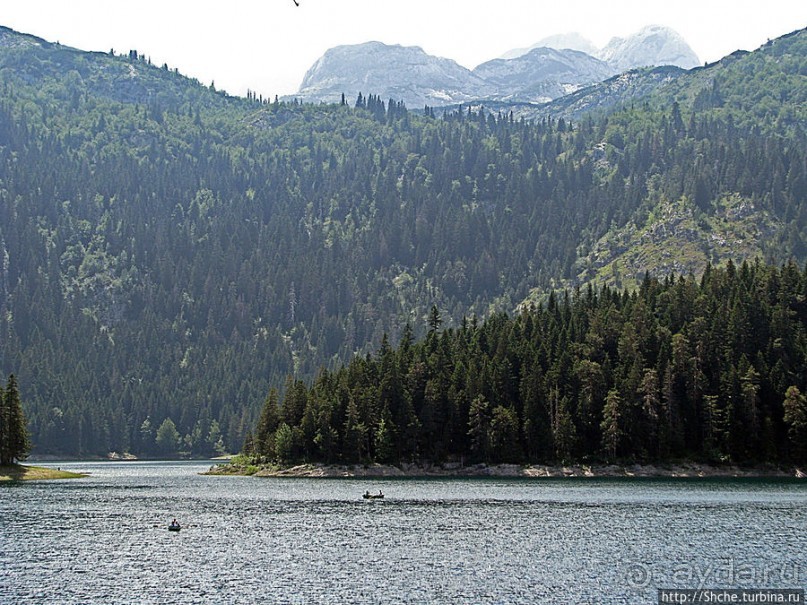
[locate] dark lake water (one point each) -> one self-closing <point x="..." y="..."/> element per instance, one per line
<point x="104" y="539"/>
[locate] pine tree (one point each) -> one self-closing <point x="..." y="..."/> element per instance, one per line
<point x="355" y="434"/>
<point x="168" y="439"/>
<point x="267" y="425"/>
<point x="385" y="438"/>
<point x="284" y="442"/>
<point x="504" y="445"/>
<point x="611" y="426"/>
<point x="795" y="417"/>
<point x="564" y="433"/>
<point x="249" y="444"/>
<point x="14" y="440"/>
<point x="479" y="427"/>
<point x="651" y="411"/>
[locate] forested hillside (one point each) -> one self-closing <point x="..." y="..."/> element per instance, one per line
<point x="710" y="370"/>
<point x="169" y="253"/>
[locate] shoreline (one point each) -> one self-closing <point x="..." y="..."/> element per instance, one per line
<point x="126" y="457"/>
<point x="533" y="471"/>
<point x="20" y="472"/>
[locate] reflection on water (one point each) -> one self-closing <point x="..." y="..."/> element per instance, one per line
<point x="104" y="539"/>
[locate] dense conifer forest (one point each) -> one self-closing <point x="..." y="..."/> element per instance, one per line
<point x="710" y="370"/>
<point x="170" y="254"/>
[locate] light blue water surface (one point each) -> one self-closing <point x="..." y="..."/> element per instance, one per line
<point x="104" y="539"/>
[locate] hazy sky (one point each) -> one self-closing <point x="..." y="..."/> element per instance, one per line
<point x="267" y="45"/>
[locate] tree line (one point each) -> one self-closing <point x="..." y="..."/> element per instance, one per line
<point x="710" y="370"/>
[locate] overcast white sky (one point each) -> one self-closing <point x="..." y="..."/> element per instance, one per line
<point x="267" y="45"/>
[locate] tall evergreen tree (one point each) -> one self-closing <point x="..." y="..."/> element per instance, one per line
<point x="267" y="425"/>
<point x="612" y="422"/>
<point x="168" y="439"/>
<point x="14" y="440"/>
<point x="795" y="416"/>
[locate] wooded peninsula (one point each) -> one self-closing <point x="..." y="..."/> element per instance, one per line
<point x="708" y="370"/>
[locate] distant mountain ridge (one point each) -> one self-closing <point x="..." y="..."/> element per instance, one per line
<point x="554" y="67"/>
<point x="542" y="74"/>
<point x="651" y="46"/>
<point x="570" y="41"/>
<point x="417" y="77"/>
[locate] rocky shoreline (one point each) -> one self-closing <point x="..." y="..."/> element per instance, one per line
<point x="683" y="470"/>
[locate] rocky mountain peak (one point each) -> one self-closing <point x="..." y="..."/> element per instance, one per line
<point x="569" y="41"/>
<point x="390" y="71"/>
<point x="542" y="74"/>
<point x="652" y="45"/>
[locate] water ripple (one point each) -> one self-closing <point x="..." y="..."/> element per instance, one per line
<point x="103" y="540"/>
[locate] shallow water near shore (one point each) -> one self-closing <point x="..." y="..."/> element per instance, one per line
<point x="104" y="539"/>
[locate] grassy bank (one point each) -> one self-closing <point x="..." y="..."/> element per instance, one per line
<point x="19" y="472"/>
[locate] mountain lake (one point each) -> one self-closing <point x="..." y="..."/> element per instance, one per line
<point x="104" y="539"/>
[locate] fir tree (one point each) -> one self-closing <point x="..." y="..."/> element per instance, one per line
<point x="14" y="440"/>
<point x="795" y="416"/>
<point x="168" y="439"/>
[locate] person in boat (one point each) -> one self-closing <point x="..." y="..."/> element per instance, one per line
<point x="174" y="523"/>
<point x="367" y="494"/>
<point x="380" y="494"/>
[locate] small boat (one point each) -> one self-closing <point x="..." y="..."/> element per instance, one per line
<point x="174" y="526"/>
<point x="369" y="496"/>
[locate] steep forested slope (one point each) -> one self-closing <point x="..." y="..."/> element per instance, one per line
<point x="169" y="253"/>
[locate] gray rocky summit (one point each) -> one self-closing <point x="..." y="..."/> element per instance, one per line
<point x="651" y="46"/>
<point x="392" y="72"/>
<point x="542" y="74"/>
